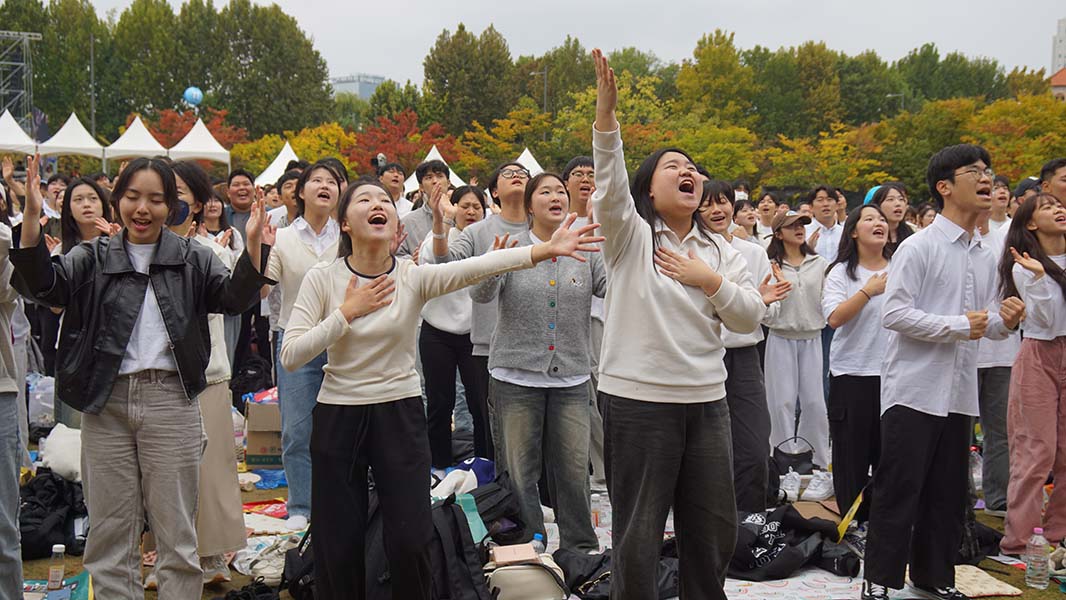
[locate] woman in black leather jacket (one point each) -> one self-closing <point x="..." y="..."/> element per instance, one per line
<point x="132" y="354"/>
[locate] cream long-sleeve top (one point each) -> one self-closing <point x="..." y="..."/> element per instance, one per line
<point x="372" y="359"/>
<point x="1045" y="304"/>
<point x="662" y="339"/>
<point x="759" y="267"/>
<point x="218" y="367"/>
<point x="800" y="316"/>
<point x="290" y="259"/>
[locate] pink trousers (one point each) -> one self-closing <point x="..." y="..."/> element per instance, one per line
<point x="1036" y="430"/>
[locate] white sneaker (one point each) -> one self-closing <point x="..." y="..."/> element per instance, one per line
<point x="820" y="487"/>
<point x="790" y="485"/>
<point x="215" y="569"/>
<point x="296" y="523"/>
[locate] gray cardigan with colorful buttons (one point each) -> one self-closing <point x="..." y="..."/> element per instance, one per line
<point x="544" y="314"/>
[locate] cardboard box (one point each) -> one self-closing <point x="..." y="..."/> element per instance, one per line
<point x="263" y="439"/>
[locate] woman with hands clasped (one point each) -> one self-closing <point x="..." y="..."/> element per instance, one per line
<point x="851" y="303"/>
<point x="133" y="352"/>
<point x="362" y="309"/>
<point x="672" y="288"/>
<point x="1032" y="268"/>
<point x="540" y="369"/>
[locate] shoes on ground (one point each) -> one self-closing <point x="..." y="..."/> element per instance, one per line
<point x="820" y="488"/>
<point x="256" y="590"/>
<point x="940" y="593"/>
<point x="296" y="523"/>
<point x="873" y="591"/>
<point x="992" y="512"/>
<point x="215" y="568"/>
<point x="790" y="485"/>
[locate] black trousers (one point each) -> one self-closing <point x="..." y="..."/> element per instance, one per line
<point x="920" y="495"/>
<point x="663" y="455"/>
<point x="44" y="328"/>
<point x="389" y="437"/>
<point x="254" y="328"/>
<point x="855" y="428"/>
<point x="486" y="446"/>
<point x="749" y="420"/>
<point x="442" y="352"/>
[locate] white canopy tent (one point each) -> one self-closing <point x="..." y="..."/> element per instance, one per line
<point x="137" y="141"/>
<point x="412" y="182"/>
<point x="72" y="138"/>
<point x="277" y="166"/>
<point x="526" y="160"/>
<point x="13" y="138"/>
<point x="199" y="144"/>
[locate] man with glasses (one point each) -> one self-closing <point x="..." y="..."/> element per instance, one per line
<point x="941" y="294"/>
<point x="507" y="185"/>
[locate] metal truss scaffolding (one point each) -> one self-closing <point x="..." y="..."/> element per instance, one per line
<point x="16" y="75"/>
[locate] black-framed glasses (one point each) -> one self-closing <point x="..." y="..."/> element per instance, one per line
<point x="512" y="173"/>
<point x="976" y="171"/>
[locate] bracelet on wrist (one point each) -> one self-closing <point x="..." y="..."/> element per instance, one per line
<point x="449" y="222"/>
<point x="440" y="236"/>
<point x="864" y="293"/>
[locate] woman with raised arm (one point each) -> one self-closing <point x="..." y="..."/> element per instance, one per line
<point x="672" y="288"/>
<point x="362" y="310"/>
<point x="133" y="352"/>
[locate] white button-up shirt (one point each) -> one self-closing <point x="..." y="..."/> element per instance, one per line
<point x="828" y="239"/>
<point x="318" y="242"/>
<point x="938" y="274"/>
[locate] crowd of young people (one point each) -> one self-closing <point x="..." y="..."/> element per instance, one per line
<point x="658" y="334"/>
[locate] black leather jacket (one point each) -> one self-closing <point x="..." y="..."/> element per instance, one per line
<point x="102" y="294"/>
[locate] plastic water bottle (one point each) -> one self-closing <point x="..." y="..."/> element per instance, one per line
<point x="1036" y="561"/>
<point x="57" y="570"/>
<point x="538" y="545"/>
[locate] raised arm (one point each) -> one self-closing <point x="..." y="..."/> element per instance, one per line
<point x="612" y="202"/>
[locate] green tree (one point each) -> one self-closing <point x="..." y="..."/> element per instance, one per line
<point x="727" y="151"/>
<point x="1020" y="134"/>
<point x="776" y="93"/>
<point x="390" y="99"/>
<point x="962" y="77"/>
<point x="912" y="137"/>
<point x="350" y="111"/>
<point x="1022" y="81"/>
<point x="466" y="78"/>
<point x="199" y="48"/>
<point x="844" y="157"/>
<point x="146" y="52"/>
<point x="820" y="85"/>
<point x="646" y="64"/>
<point x="870" y="90"/>
<point x="269" y="76"/>
<point x="920" y="70"/>
<point x="569" y="67"/>
<point x="715" y="84"/>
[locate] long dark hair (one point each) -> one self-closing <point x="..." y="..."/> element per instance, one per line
<point x="325" y="164"/>
<point x="161" y="168"/>
<point x="903" y="231"/>
<point x="776" y="250"/>
<point x="641" y="191"/>
<point x="70" y="233"/>
<point x="742" y="204"/>
<point x="848" y="251"/>
<point x="1023" y="240"/>
<point x="344" y="244"/>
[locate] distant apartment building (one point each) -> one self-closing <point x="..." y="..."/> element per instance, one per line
<point x="1058" y="48"/>
<point x="361" y="84"/>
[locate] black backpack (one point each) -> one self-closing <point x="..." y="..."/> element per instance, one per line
<point x="298" y="575"/>
<point x="499" y="509"/>
<point x="253" y="375"/>
<point x="455" y="561"/>
<point x="48" y="507"/>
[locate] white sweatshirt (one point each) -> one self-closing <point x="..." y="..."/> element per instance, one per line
<point x="372" y="359"/>
<point x="800" y="317"/>
<point x="662" y="340"/>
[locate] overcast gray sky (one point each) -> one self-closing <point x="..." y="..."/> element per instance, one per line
<point x="391" y="37"/>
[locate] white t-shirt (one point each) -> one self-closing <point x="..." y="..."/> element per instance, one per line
<point x="858" y="346"/>
<point x="997" y="225"/>
<point x="149" y="346"/>
<point x="403" y="206"/>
